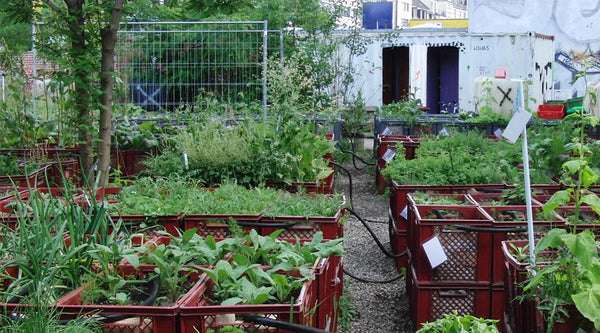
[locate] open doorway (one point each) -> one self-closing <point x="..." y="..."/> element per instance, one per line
<point x="442" y="79"/>
<point x="395" y="74"/>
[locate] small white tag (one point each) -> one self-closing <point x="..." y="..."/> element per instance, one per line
<point x="404" y="213"/>
<point x="498" y="133"/>
<point x="516" y="125"/>
<point x="185" y="160"/>
<point x="444" y="132"/>
<point x="434" y="252"/>
<point x="389" y="155"/>
<point x="386" y="131"/>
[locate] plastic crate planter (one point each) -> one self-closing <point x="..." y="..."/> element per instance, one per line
<point x="33" y="178"/>
<point x="197" y="314"/>
<point x="386" y="145"/>
<point x="143" y="317"/>
<point x="430" y="301"/>
<point x="322" y="213"/>
<point x="468" y="252"/>
<point x="221" y="226"/>
<point x="519" y="316"/>
<point x="399" y="196"/>
<point x="510" y="223"/>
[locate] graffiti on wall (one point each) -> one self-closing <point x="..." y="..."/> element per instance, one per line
<point x="575" y="24"/>
<point x="544" y="72"/>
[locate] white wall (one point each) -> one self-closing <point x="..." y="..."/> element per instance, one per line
<point x="575" y="24"/>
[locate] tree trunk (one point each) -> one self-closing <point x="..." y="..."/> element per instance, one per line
<point x="107" y="79"/>
<point x="81" y="75"/>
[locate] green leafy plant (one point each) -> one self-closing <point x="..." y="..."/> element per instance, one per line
<point x="176" y="262"/>
<point x="578" y="174"/>
<point x="249" y="152"/>
<point x="461" y="158"/>
<point x="455" y="323"/>
<point x="568" y="275"/>
<point x="407" y="109"/>
<point x="244" y="282"/>
<point x="290" y="204"/>
<point x="426" y="199"/>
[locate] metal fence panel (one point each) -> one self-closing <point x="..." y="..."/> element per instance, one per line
<point x="166" y="65"/>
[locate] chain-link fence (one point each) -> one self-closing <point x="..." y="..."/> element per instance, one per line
<point x="166" y="65"/>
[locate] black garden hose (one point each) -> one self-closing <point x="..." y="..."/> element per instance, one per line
<point x="281" y="324"/>
<point x="372" y="233"/>
<point x="490" y="229"/>
<point x="354" y="157"/>
<point x="349" y="182"/>
<point x="390" y="280"/>
<point x="383" y="249"/>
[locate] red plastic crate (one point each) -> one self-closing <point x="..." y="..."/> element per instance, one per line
<point x="140" y="318"/>
<point x="198" y="316"/>
<point x="302" y="228"/>
<point x="430" y="301"/>
<point x="551" y="111"/>
<point x="398" y="244"/>
<point x="216" y="225"/>
<point x="64" y="169"/>
<point x="330" y="282"/>
<point x="399" y="196"/>
<point x="387" y="143"/>
<point x="33" y="179"/>
<point x="129" y="162"/>
<point x="519" y="315"/>
<point x="510" y="223"/>
<point x="468" y="252"/>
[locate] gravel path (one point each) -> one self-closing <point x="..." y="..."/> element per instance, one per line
<point x="381" y="307"/>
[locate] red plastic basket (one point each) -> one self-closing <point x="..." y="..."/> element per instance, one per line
<point x="303" y="228"/>
<point x="137" y="318"/>
<point x="217" y="225"/>
<point x="519" y="315"/>
<point x="398" y="244"/>
<point x="197" y="315"/>
<point x="330" y="283"/>
<point x="468" y="252"/>
<point x="551" y="111"/>
<point x="510" y="223"/>
<point x="430" y="301"/>
<point x="385" y="143"/>
<point x="399" y="196"/>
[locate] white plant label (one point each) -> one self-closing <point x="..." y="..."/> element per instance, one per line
<point x="404" y="213"/>
<point x="444" y="132"/>
<point x="386" y="131"/>
<point x="185" y="160"/>
<point x="498" y="133"/>
<point x="435" y="252"/>
<point x="516" y="125"/>
<point x="389" y="155"/>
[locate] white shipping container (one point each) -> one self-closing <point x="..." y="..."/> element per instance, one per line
<point x="444" y="64"/>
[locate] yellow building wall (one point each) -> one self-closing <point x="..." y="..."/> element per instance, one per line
<point x="446" y="23"/>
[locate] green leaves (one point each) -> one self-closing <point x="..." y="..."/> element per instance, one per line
<point x="249" y="153"/>
<point x="264" y="268"/>
<point x="455" y="323"/>
<point x="588" y="304"/>
<point x="570" y="277"/>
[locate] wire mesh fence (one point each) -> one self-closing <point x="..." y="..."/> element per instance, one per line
<point x="168" y="65"/>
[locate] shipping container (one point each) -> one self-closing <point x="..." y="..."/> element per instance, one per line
<point x="441" y="66"/>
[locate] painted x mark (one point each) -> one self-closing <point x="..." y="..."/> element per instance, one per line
<point x="505" y="95"/>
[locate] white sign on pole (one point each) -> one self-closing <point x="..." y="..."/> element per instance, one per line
<point x="515" y="128"/>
